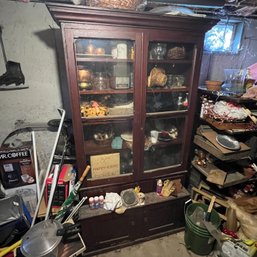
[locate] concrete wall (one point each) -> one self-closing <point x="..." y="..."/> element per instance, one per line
<point x="29" y="38"/>
<point x="213" y="65"/>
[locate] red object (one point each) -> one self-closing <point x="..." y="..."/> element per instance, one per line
<point x="62" y="187"/>
<point x="230" y="233"/>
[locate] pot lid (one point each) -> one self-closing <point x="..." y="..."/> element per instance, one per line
<point x="41" y="239"/>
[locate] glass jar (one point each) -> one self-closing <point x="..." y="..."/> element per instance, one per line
<point x="101" y="81"/>
<point x="158" y="51"/>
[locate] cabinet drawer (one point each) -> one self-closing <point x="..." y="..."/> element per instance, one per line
<point x="106" y="230"/>
<point x="164" y="217"/>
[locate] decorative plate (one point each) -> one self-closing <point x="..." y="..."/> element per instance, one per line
<point x="127" y="137"/>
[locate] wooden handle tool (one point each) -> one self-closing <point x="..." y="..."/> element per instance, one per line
<point x="249" y="114"/>
<point x="208" y="214"/>
<point x="85" y="173"/>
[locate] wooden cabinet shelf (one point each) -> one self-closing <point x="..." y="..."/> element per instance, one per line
<point x="224" y="162"/>
<point x="167" y="90"/>
<point x="106" y="91"/>
<point x="232" y="127"/>
<point x="105" y="119"/>
<point x="102" y="60"/>
<point x="182" y="61"/>
<point x="232" y="179"/>
<point x="227" y="97"/>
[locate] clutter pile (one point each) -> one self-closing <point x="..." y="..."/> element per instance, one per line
<point x="234" y="231"/>
<point x="27" y="225"/>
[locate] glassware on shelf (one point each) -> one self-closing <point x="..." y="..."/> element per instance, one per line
<point x="158" y="51"/>
<point x="90" y="49"/>
<point x="99" y="51"/>
<point x="122" y="50"/>
<point x="234" y="82"/>
<point x="101" y="81"/>
<point x="169" y="82"/>
<point x="178" y="80"/>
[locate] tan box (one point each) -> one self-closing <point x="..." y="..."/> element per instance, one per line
<point x="105" y="165"/>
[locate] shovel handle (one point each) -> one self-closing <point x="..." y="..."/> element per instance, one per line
<point x="249" y="114"/>
<point x="84" y="173"/>
<point x="211" y="204"/>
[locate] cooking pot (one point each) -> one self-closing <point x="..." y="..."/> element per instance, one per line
<point x="42" y="240"/>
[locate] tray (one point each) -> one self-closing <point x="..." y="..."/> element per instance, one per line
<point x="228" y="142"/>
<point x="245" y="126"/>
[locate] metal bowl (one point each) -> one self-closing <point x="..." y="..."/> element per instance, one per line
<point x="228" y="142"/>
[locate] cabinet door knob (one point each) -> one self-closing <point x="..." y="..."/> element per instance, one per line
<point x="132" y="223"/>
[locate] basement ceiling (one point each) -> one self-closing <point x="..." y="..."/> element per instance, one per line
<point x="212" y="8"/>
<point x="220" y="8"/>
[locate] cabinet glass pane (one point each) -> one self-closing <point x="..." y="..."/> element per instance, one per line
<point x="104" y="64"/>
<point x="109" y="142"/>
<point x="164" y="142"/>
<point x="166" y="101"/>
<point x="169" y="76"/>
<point x="105" y="79"/>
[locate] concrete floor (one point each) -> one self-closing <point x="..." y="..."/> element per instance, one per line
<point x="168" y="246"/>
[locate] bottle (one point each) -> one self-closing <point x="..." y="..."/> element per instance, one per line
<point x="159" y="186"/>
<point x="101" y="201"/>
<point x="180" y="103"/>
<point x="132" y="53"/>
<point x="185" y="102"/>
<point x="91" y="202"/>
<point x="96" y="202"/>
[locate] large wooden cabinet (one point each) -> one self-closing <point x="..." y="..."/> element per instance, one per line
<point x="130" y="75"/>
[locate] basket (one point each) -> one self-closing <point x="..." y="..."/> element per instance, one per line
<point x="176" y="53"/>
<point x="124" y="4"/>
<point x="213" y="85"/>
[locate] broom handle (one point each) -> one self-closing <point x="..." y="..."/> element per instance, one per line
<point x="2" y="46"/>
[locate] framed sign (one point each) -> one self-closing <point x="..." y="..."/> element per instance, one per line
<point x="105" y="165"/>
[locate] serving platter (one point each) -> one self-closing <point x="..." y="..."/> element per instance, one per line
<point x="228" y="142"/>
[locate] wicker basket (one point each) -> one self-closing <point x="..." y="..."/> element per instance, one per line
<point x="119" y="4"/>
<point x="213" y="85"/>
<point x="176" y="53"/>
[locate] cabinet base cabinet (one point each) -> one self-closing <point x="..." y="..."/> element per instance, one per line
<point x="107" y="231"/>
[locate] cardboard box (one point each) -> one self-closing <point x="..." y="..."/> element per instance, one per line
<point x="64" y="185"/>
<point x="16" y="166"/>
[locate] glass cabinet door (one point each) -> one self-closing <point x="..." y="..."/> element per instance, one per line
<point x="105" y="76"/>
<point x="169" y="76"/>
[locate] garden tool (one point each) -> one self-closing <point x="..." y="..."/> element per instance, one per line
<point x="13" y="74"/>
<point x="68" y="202"/>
